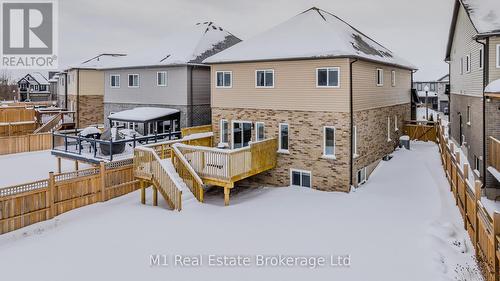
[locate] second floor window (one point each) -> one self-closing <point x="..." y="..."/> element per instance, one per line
<point x="264" y="78"/>
<point x="133" y="80"/>
<point x="393" y="78"/>
<point x="498" y="56"/>
<point x="328" y="77"/>
<point x="161" y="78"/>
<point x="380" y="77"/>
<point x="481" y="57"/>
<point x="115" y="81"/>
<point x="224" y="79"/>
<point x="467" y="63"/>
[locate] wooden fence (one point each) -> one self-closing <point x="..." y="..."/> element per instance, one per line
<point x="420" y="130"/>
<point x="25" y="204"/>
<point x="16" y="114"/>
<point x="26" y="143"/>
<point x="483" y="228"/>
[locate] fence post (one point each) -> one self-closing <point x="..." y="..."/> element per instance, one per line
<point x="496" y="231"/>
<point x="51" y="195"/>
<point x="457" y="156"/>
<point x="102" y="174"/>
<point x="477" y="195"/>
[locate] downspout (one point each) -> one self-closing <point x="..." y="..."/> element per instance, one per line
<point x="78" y="98"/>
<point x="351" y="108"/>
<point x="191" y="96"/>
<point x="412" y="106"/>
<point x="485" y="83"/>
<point x="66" y="91"/>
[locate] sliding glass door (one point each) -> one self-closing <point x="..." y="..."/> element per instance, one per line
<point x="242" y="134"/>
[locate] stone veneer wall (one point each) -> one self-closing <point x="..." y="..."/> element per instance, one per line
<point x="473" y="132"/>
<point x="372" y="143"/>
<point x="305" y="144"/>
<point x="90" y="110"/>
<point x="201" y="113"/>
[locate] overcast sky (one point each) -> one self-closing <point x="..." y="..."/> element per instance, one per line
<point x="416" y="30"/>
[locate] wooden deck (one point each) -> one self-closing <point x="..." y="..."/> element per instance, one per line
<point x="494" y="153"/>
<point x="200" y="165"/>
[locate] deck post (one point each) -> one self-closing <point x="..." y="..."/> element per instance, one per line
<point x="143" y="192"/>
<point x="227" y="190"/>
<point x="496" y="231"/>
<point x="155" y="196"/>
<point x="76" y="165"/>
<point x="58" y="165"/>
<point x="51" y="195"/>
<point x="102" y="171"/>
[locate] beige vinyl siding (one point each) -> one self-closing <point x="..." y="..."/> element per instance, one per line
<point x="91" y="83"/>
<point x="463" y="44"/>
<point x="494" y="71"/>
<point x="294" y="86"/>
<point x="366" y="93"/>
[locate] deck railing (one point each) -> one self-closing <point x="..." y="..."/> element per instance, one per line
<point x="188" y="174"/>
<point x="231" y="165"/>
<point x="494" y="153"/>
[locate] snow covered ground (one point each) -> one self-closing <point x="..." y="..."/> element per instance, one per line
<point x="31" y="166"/>
<point x="402" y="225"/>
<point x="421" y="114"/>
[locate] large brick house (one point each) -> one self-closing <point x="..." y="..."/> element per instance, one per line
<point x="335" y="99"/>
<point x="473" y="54"/>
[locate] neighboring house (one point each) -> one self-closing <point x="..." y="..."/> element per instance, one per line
<point x="34" y="87"/>
<point x="169" y="75"/>
<point x="334" y="98"/>
<point x="437" y="95"/>
<point x="53" y="87"/>
<point x="81" y="89"/>
<point x="473" y="53"/>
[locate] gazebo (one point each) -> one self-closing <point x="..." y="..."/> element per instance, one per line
<point x="149" y="120"/>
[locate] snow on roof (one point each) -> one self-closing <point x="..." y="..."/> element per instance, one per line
<point x="142" y="114"/>
<point x="98" y="61"/>
<point x="493" y="87"/>
<point x="190" y="45"/>
<point x="40" y="78"/>
<point x="484" y="14"/>
<point x="421" y="94"/>
<point x="314" y="33"/>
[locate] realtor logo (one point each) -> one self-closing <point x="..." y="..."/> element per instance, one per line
<point x="29" y="34"/>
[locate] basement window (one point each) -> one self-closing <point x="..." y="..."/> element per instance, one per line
<point x="361" y="176"/>
<point x="299" y="178"/>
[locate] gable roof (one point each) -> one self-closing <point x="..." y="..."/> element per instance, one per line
<point x="188" y="46"/>
<point x="483" y="14"/>
<point x="37" y="76"/>
<point x="313" y="33"/>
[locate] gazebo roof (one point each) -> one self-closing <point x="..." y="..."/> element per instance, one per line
<point x="493" y="87"/>
<point x="144" y="114"/>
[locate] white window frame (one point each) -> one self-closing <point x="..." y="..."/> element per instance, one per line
<point x="328" y="76"/>
<point x="467" y="64"/>
<point x="498" y="56"/>
<point x="232" y="131"/>
<point x="393" y="78"/>
<point x="481" y="57"/>
<point x="355" y="140"/>
<point x="257" y="124"/>
<point x="396" y="123"/>
<point x="468" y="115"/>
<point x="388" y="129"/>
<point x="330" y="156"/>
<point x="280" y="150"/>
<point x="230" y="79"/>
<point x="157" y="80"/>
<point x="265" y="70"/>
<point x="301" y="172"/>
<point x="380" y="77"/>
<point x="221" y="131"/>
<point x="138" y="80"/>
<point x="364" y="172"/>
<point x="111" y="81"/>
